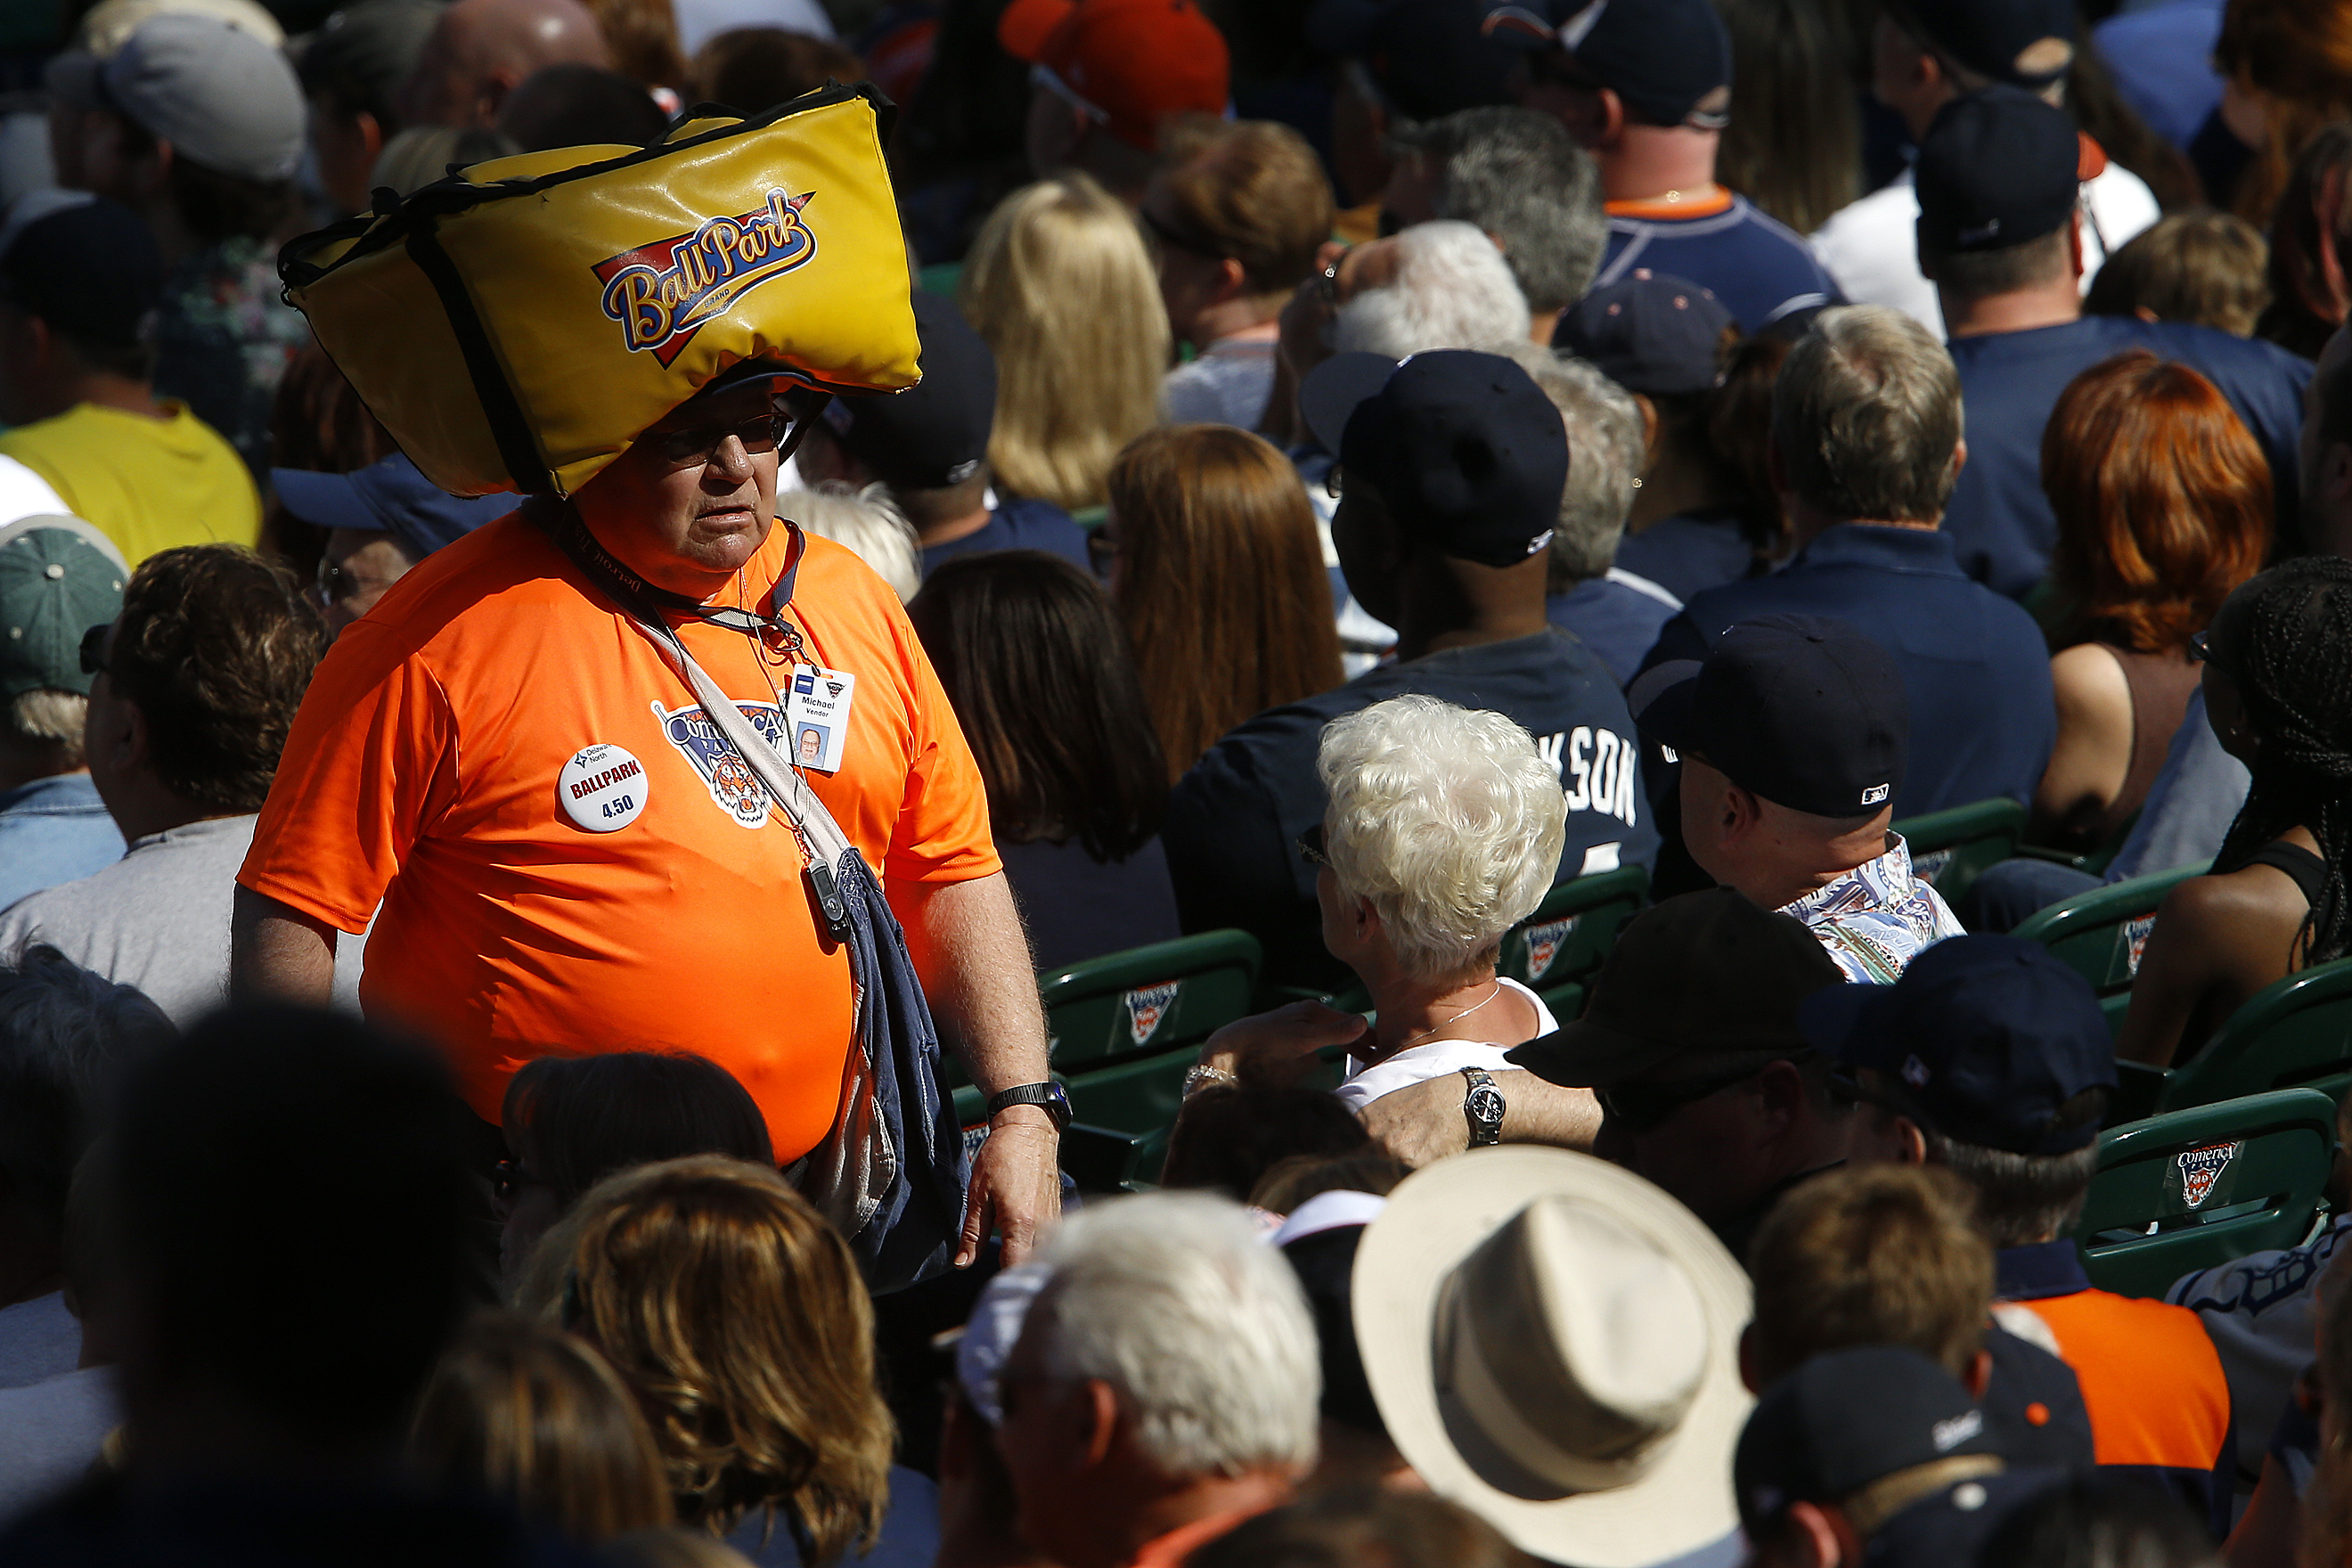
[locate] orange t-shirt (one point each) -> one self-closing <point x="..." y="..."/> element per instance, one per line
<point x="422" y="772"/>
<point x="2151" y="1379"/>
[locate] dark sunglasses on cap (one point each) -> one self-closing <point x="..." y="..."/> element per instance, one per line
<point x="2200" y="651"/>
<point x="93" y="648"/>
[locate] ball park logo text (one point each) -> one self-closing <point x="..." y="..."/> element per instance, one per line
<point x="662" y="293"/>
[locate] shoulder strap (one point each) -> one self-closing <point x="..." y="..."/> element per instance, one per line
<point x="823" y="844"/>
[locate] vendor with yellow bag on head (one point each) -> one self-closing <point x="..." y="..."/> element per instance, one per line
<point x="525" y="751"/>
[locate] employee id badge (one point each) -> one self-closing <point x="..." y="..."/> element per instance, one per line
<point x="816" y="716"/>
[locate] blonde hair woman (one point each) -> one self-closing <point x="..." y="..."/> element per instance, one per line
<point x="1060" y="286"/>
<point x="737" y="1315"/>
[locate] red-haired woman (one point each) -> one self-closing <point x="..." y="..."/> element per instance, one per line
<point x="2164" y="504"/>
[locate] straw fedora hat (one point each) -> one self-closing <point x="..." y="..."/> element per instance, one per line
<point x="1553" y="1344"/>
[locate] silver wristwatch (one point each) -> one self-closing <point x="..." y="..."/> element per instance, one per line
<point x="1482" y="1107"/>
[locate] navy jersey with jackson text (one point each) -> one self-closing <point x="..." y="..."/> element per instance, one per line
<point x="1234" y="818"/>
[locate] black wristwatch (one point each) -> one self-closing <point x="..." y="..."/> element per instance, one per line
<point x="1483" y="1107"/>
<point x="1051" y="1097"/>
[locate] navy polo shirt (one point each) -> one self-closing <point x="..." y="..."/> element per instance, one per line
<point x="1975" y="667"/>
<point x="1690" y="552"/>
<point x="1616" y="619"/>
<point x="1235" y="819"/>
<point x="1759" y="267"/>
<point x="1019" y="522"/>
<point x="2009" y="382"/>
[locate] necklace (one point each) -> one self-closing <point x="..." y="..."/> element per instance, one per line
<point x="1447" y="1023"/>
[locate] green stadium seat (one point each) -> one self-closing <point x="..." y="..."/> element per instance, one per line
<point x="2296" y="1034"/>
<point x="2193" y="1188"/>
<point x="1557" y="950"/>
<point x="1144" y="1000"/>
<point x="1950" y="848"/>
<point x="1137" y="1101"/>
<point x="2101" y="933"/>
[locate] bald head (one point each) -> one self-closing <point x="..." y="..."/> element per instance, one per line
<point x="480" y="49"/>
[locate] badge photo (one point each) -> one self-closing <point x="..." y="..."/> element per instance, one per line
<point x="816" y="717"/>
<point x="602" y="788"/>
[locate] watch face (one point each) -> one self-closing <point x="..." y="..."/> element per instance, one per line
<point x="1485" y="1105"/>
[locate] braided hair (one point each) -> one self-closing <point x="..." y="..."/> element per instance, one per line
<point x="2285" y="640"/>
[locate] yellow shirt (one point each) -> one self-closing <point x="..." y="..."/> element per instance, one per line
<point x="148" y="484"/>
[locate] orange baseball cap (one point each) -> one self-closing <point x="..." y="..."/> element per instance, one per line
<point x="1130" y="64"/>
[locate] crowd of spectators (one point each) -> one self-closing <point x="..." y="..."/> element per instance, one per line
<point x="1379" y="469"/>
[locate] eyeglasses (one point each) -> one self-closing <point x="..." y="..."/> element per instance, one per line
<point x="1309" y="846"/>
<point x="2200" y="651"/>
<point x="1644" y="1108"/>
<point x="93" y="649"/>
<point x="697" y="444"/>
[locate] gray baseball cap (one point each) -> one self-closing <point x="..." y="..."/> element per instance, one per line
<point x="221" y="97"/>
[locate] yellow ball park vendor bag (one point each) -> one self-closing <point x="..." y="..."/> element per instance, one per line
<point x="517" y="325"/>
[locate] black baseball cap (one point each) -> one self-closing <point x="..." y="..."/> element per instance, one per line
<point x="2026" y="43"/>
<point x="1669" y="60"/>
<point x="1649" y="332"/>
<point x="1983" y="1039"/>
<point x="1845" y="1420"/>
<point x="1426" y="58"/>
<point x="1468" y="454"/>
<point x="87" y="265"/>
<point x="1325" y="1262"/>
<point x="934" y="434"/>
<point x="1997" y="168"/>
<point x="1950" y="1526"/>
<point x="1695" y="983"/>
<point x="1801" y="709"/>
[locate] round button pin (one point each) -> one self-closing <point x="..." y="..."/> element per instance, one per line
<point x="602" y="788"/>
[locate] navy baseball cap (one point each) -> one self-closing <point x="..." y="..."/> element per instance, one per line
<point x="1845" y="1420"/>
<point x="1669" y="60"/>
<point x="1649" y="332"/>
<point x="1984" y="1038"/>
<point x="87" y="265"/>
<point x="1803" y="711"/>
<point x="389" y="496"/>
<point x="1426" y="58"/>
<point x="2026" y="43"/>
<point x="1997" y="168"/>
<point x="1949" y="1528"/>
<point x="1468" y="454"/>
<point x="934" y="434"/>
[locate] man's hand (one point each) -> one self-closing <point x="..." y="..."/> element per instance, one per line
<point x="1016" y="1185"/>
<point x="1274" y="1050"/>
<point x="1424" y="1122"/>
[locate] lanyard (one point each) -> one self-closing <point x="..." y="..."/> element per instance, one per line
<point x="625" y="588"/>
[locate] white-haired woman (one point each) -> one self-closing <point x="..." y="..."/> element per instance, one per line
<point x="1443" y="831"/>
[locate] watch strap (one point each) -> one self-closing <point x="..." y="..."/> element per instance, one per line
<point x="1047" y="1096"/>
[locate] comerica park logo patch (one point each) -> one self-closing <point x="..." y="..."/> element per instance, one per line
<point x="662" y="293"/>
<point x="2201" y="1168"/>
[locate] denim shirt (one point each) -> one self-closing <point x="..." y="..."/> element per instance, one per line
<point x="1876" y="919"/>
<point x="53" y="831"/>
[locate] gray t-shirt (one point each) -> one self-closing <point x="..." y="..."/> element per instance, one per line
<point x="158" y="919"/>
<point x="1228" y="385"/>
<point x="38" y="1340"/>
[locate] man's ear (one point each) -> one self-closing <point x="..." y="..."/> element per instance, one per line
<point x="1233" y="282"/>
<point x="1826" y="1538"/>
<point x="1613" y="117"/>
<point x="1977" y="1376"/>
<point x="1913" y="1142"/>
<point x="1649" y="431"/>
<point x="2075" y="244"/>
<point x="369" y="130"/>
<point x="1097" y="1406"/>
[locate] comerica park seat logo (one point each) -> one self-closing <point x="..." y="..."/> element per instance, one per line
<point x="662" y="293"/>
